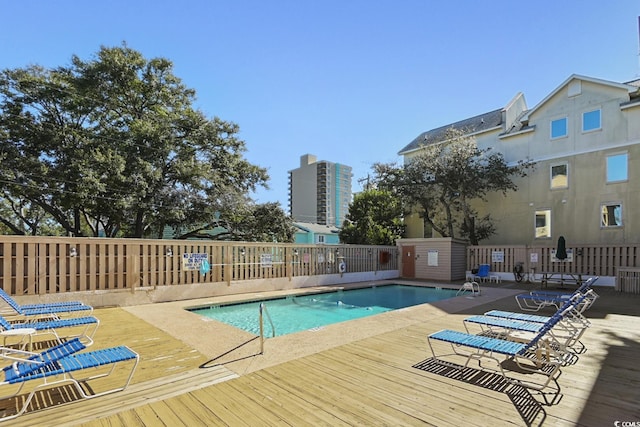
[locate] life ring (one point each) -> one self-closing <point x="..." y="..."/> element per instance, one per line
<point x="342" y="267"/>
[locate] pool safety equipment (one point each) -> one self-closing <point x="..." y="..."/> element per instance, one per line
<point x="342" y="267"/>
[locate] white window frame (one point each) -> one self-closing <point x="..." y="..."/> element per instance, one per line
<point x="547" y="214"/>
<point x="320" y="238"/>
<point x="602" y="222"/>
<point x="566" y="132"/>
<point x="566" y="165"/>
<point x="599" y="110"/>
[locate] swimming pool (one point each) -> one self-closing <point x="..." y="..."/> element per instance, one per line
<point x="299" y="313"/>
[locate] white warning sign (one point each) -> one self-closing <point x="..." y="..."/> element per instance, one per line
<point x="192" y="261"/>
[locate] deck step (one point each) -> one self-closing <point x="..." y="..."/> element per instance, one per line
<point x="135" y="395"/>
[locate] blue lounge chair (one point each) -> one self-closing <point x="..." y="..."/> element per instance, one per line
<point x="582" y="289"/>
<point x="574" y="316"/>
<point x="535" y="357"/>
<point x="537" y="300"/>
<point x="525" y="317"/>
<point x="55" y="367"/>
<point x="528" y="302"/>
<point x="51" y="309"/>
<point x="25" y="362"/>
<point x="565" y="335"/>
<point x="89" y="325"/>
<point x="4" y="295"/>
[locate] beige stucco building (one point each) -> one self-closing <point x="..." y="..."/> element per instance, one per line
<point x="585" y="139"/>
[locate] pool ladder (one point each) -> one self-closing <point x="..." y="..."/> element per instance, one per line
<point x="263" y="312"/>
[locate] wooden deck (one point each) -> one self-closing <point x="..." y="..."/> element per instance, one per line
<point x="383" y="379"/>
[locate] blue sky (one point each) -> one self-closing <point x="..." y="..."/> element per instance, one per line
<point x="352" y="82"/>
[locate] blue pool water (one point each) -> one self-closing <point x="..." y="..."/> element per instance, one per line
<point x="300" y="313"/>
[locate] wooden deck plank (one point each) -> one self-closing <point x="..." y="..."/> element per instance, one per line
<point x="383" y="379"/>
<point x="407" y="407"/>
<point x="151" y="391"/>
<point x="344" y="401"/>
<point x="413" y="391"/>
<point x="250" y="398"/>
<point x="145" y="414"/>
<point x="309" y="401"/>
<point x="193" y="412"/>
<point x="161" y="409"/>
<point x="289" y="406"/>
<point x="223" y="409"/>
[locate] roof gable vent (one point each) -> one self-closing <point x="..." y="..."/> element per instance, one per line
<point x="575" y="88"/>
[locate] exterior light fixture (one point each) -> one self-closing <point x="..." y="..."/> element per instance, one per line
<point x="168" y="252"/>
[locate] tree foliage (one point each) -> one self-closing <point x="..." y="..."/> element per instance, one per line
<point x="114" y="145"/>
<point x="265" y="222"/>
<point x="375" y="218"/>
<point x="444" y="178"/>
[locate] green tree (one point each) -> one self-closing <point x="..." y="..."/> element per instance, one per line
<point x="443" y="180"/>
<point x="114" y="145"/>
<point x="375" y="218"/>
<point x="27" y="219"/>
<point x="265" y="222"/>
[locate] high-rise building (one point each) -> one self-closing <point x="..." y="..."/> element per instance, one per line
<point x="319" y="191"/>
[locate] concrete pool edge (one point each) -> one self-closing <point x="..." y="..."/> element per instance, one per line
<point x="239" y="350"/>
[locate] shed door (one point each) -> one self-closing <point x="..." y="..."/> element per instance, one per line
<point x="409" y="262"/>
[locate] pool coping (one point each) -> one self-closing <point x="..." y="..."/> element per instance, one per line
<point x="240" y="351"/>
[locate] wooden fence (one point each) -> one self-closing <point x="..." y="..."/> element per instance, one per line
<point x="616" y="261"/>
<point x="48" y="265"/>
<point x="628" y="280"/>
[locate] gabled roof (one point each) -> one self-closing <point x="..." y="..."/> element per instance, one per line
<point x="629" y="88"/>
<point x="493" y="119"/>
<point x="635" y="83"/>
<point x="480" y="123"/>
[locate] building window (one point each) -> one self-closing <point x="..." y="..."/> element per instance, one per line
<point x="543" y="223"/>
<point x="617" y="167"/>
<point x="320" y="238"/>
<point x="611" y="215"/>
<point x="560" y="176"/>
<point x="591" y="121"/>
<point x="559" y="128"/>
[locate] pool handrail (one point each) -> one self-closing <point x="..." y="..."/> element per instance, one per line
<point x="263" y="310"/>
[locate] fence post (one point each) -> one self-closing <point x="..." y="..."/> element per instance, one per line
<point x="227" y="255"/>
<point x="133" y="271"/>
